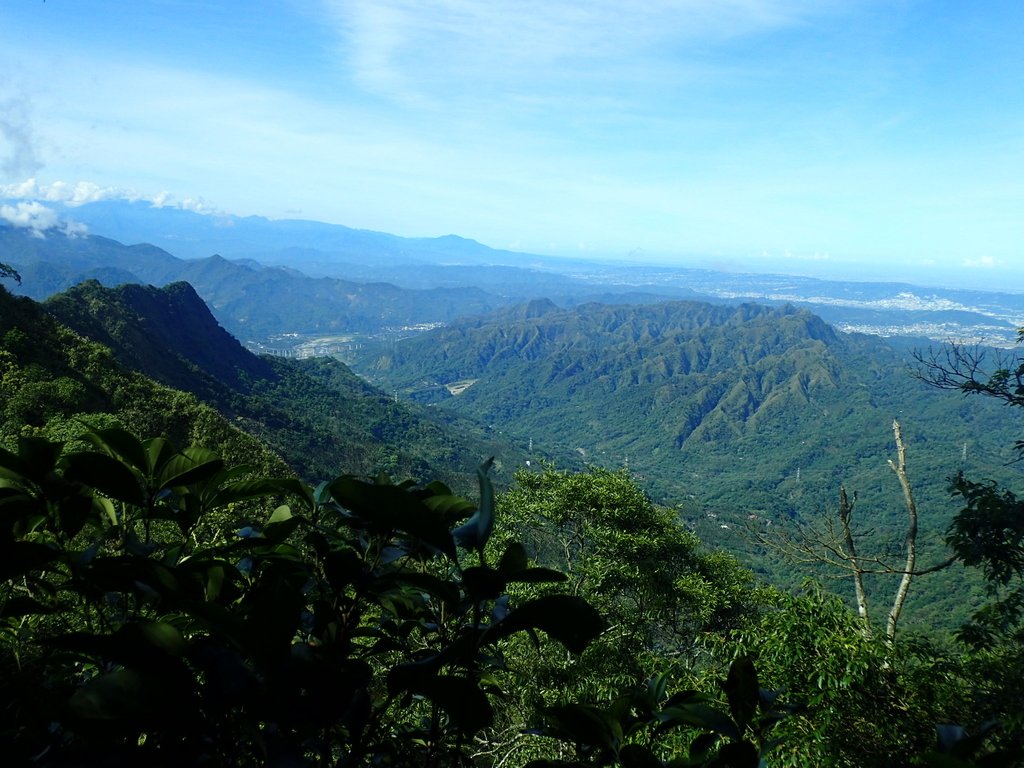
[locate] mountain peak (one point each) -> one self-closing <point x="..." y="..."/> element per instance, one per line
<point x="162" y="331"/>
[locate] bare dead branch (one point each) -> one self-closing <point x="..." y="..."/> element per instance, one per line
<point x="900" y="468"/>
<point x="850" y="551"/>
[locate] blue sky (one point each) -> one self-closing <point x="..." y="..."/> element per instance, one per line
<point x="863" y="139"/>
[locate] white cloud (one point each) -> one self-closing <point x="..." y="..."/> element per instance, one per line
<point x="83" y="192"/>
<point x="63" y="192"/>
<point x="38" y="218"/>
<point x="198" y="205"/>
<point x="982" y="262"/>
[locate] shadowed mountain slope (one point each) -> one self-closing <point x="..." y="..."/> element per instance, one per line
<point x="56" y="383"/>
<point x="317" y="414"/>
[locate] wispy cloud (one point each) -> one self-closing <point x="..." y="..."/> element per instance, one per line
<point x="18" y="154"/>
<point x="410" y="49"/>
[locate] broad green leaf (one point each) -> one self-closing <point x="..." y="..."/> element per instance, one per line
<point x="138" y="644"/>
<point x="158" y="452"/>
<point x="280" y="514"/>
<point x="476" y="531"/>
<point x="699" y="714"/>
<point x="513" y="560"/>
<point x="107" y="474"/>
<point x="742" y="690"/>
<point x="106" y="509"/>
<point x="387" y="508"/>
<point x="182" y="469"/>
<point x="482" y="583"/>
<point x="570" y="620"/>
<point x="462" y="699"/>
<point x="214" y="581"/>
<point x="116" y="695"/>
<point x="134" y="575"/>
<point x="449" y="506"/>
<point x="12" y="467"/>
<point x="38" y="455"/>
<point x="281" y="530"/>
<point x="119" y="443"/>
<point x="583" y="724"/>
<point x="424" y="583"/>
<point x="243" y="490"/>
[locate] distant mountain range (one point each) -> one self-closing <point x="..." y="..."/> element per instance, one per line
<point x="468" y="278"/>
<point x="735" y="413"/>
<point x="250" y="300"/>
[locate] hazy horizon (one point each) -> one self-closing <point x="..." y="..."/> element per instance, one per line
<point x="834" y="139"/>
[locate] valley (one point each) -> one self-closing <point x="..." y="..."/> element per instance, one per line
<point x="564" y="384"/>
<point x="684" y="444"/>
<point x="743" y="417"/>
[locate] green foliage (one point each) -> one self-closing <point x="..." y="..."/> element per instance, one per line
<point x="629" y="557"/>
<point x="317" y="414"/>
<point x="343" y="628"/>
<point x="657" y="589"/>
<point x="746" y="416"/>
<point x="988" y="533"/>
<point x="859" y="702"/>
<point x="52" y="382"/>
<point x="637" y="729"/>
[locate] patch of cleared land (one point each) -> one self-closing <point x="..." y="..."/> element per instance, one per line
<point x="458" y="387"/>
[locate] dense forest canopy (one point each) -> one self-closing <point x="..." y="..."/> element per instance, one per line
<point x="356" y="622"/>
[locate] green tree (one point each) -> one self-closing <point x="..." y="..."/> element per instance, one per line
<point x="150" y="615"/>
<point x="860" y="701"/>
<point x="631" y="558"/>
<point x="988" y="534"/>
<point x="658" y="591"/>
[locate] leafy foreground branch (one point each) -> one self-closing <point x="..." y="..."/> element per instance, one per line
<point x="147" y="618"/>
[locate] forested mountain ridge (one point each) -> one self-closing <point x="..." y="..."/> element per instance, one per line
<point x="250" y="300"/>
<point x="156" y="330"/>
<point x="317" y="414"/>
<point x="55" y="383"/>
<point x="729" y="412"/>
<point x="699" y="382"/>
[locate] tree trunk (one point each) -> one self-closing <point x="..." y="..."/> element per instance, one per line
<point x="900" y="468"/>
<point x="845" y="513"/>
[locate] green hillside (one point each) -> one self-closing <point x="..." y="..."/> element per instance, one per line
<point x="743" y="417"/>
<point x="164" y="609"/>
<point x="55" y="383"/>
<point x="317" y="414"/>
